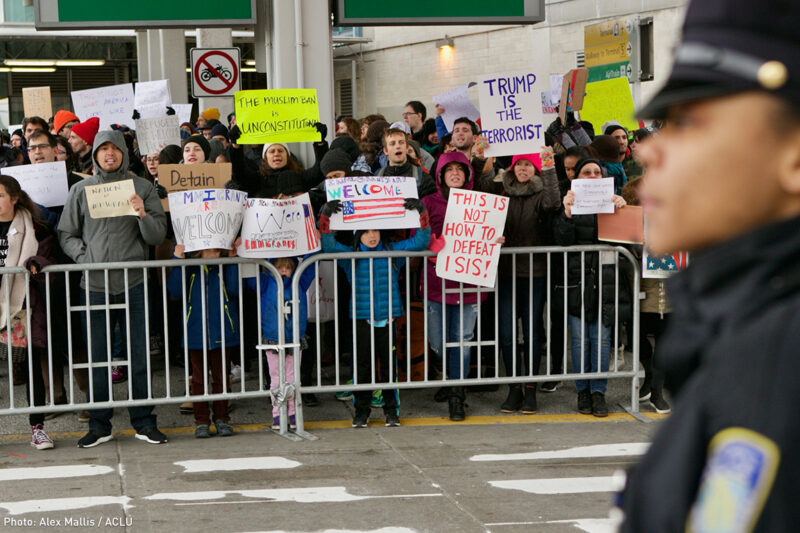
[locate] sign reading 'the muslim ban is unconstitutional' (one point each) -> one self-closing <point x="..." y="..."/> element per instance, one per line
<point x="373" y="202"/>
<point x="472" y="224"/>
<point x="207" y="218"/>
<point x="279" y="228"/>
<point x="277" y="115"/>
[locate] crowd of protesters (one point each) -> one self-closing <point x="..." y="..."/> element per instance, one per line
<point x="371" y="295"/>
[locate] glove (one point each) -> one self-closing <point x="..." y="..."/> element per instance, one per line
<point x="437" y="243"/>
<point x="548" y="161"/>
<point x="234" y="134"/>
<point x="136" y="115"/>
<point x="161" y="191"/>
<point x="414" y="204"/>
<point x="170" y="111"/>
<point x="322" y="129"/>
<point x="334" y="206"/>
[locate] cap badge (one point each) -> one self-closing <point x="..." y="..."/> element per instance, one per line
<point x="773" y="75"/>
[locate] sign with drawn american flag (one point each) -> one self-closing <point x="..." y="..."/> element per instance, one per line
<point x="279" y="228"/>
<point x="372" y="202"/>
<point x="663" y="266"/>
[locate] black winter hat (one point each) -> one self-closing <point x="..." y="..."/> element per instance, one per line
<point x="202" y="141"/>
<point x="583" y="162"/>
<point x="219" y="129"/>
<point x="289" y="183"/>
<point x="349" y="145"/>
<point x="210" y="123"/>
<point x="335" y="159"/>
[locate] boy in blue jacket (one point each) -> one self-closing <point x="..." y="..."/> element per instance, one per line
<point x="221" y="321"/>
<point x="371" y="308"/>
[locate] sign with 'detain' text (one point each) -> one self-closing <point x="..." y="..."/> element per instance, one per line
<point x="279" y="228"/>
<point x="176" y="178"/>
<point x="277" y="115"/>
<point x="472" y="224"/>
<point x="106" y="200"/>
<point x="373" y="202"/>
<point x="207" y="218"/>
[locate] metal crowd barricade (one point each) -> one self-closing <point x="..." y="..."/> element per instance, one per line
<point x="400" y="262"/>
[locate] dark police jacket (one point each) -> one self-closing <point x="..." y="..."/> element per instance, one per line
<point x="730" y="453"/>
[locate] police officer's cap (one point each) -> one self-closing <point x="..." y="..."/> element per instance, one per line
<point x="731" y="46"/>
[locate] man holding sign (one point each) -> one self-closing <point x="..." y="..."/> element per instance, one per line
<point x="115" y="239"/>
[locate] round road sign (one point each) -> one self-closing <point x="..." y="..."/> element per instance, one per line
<point x="216" y="73"/>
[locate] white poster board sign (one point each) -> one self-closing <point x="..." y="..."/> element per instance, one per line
<point x="472" y="224"/>
<point x="373" y="202"/>
<point x="112" y="104"/>
<point x="151" y="98"/>
<point x="593" y="196"/>
<point x="207" y="218"/>
<point x="45" y="183"/>
<point x="511" y="112"/>
<point x="456" y="104"/>
<point x="279" y="228"/>
<point x="153" y="134"/>
<point x="113" y="199"/>
<point x="184" y="112"/>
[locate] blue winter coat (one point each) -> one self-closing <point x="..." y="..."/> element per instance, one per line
<point x="380" y="272"/>
<point x="194" y="305"/>
<point x="269" y="304"/>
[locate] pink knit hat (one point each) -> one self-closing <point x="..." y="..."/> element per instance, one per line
<point x="535" y="159"/>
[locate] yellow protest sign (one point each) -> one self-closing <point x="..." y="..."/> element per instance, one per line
<point x="609" y="100"/>
<point x="277" y="115"/>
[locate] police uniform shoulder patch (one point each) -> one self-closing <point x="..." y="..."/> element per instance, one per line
<point x="737" y="478"/>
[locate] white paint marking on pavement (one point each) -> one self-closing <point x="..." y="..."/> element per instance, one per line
<point x="299" y="495"/>
<point x="63" y="504"/>
<point x="237" y="463"/>
<point x="381" y="530"/>
<point x="53" y="472"/>
<point x="590" y="525"/>
<point x="581" y="452"/>
<point x="567" y="485"/>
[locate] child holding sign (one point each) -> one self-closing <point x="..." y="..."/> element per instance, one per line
<point x="375" y="282"/>
<point x="590" y="334"/>
<point x="217" y="312"/>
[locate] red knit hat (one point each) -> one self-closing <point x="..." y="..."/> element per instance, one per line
<point x="62" y="117"/>
<point x="535" y="160"/>
<point x="87" y="130"/>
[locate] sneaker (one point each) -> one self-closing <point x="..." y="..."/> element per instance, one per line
<point x="377" y="399"/>
<point x="186" y="408"/>
<point x="345" y="396"/>
<point x="39" y="438"/>
<point x="456" y="404"/>
<point x="310" y="400"/>
<point x="84" y="416"/>
<point x="644" y="391"/>
<point x="529" y="404"/>
<point x="118" y="374"/>
<point x="236" y="374"/>
<point x="660" y="405"/>
<point x="599" y="408"/>
<point x="276" y="423"/>
<point x="584" y="402"/>
<point x="550" y="386"/>
<point x="201" y="431"/>
<point x="292" y="422"/>
<point x="93" y="438"/>
<point x="361" y="420"/>
<point x="513" y="400"/>
<point x="223" y="428"/>
<point x="151" y="435"/>
<point x="392" y="420"/>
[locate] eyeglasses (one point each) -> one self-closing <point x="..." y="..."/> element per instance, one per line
<point x="409" y="113"/>
<point x="35" y="147"/>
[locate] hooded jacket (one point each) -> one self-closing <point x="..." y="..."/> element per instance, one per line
<point x="115" y="239"/>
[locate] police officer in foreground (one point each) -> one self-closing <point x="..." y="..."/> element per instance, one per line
<point x="723" y="182"/>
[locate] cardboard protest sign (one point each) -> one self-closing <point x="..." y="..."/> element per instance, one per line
<point x="472" y="224"/>
<point x="184" y="112"/>
<point x="207" y="218"/>
<point x="45" y="183"/>
<point x="36" y="102"/>
<point x="277" y="115"/>
<point x="511" y="112"/>
<point x="573" y="90"/>
<point x="175" y="178"/>
<point x="663" y="266"/>
<point x="279" y="228"/>
<point x="112" y="104"/>
<point x="373" y="202"/>
<point x="625" y="225"/>
<point x="456" y="104"/>
<point x="593" y="196"/>
<point x="113" y="199"/>
<point x="153" y="134"/>
<point x="609" y="100"/>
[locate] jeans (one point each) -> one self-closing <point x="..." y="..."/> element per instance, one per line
<point x="524" y="307"/>
<point x="591" y="332"/>
<point x="142" y="416"/>
<point x="457" y="365"/>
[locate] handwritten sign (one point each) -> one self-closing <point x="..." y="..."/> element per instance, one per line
<point x="511" y="112"/>
<point x="456" y="104"/>
<point x="279" y="228"/>
<point x="153" y="134"/>
<point x="184" y="112"/>
<point x="45" y="183"/>
<point x="472" y="224"/>
<point x="609" y="100"/>
<point x="593" y="196"/>
<point x="113" y="199"/>
<point x="373" y="202"/>
<point x="36" y="102"/>
<point x="112" y="104"/>
<point x="207" y="218"/>
<point x="277" y="115"/>
<point x="175" y="178"/>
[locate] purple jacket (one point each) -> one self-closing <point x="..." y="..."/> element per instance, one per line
<point x="436" y="204"/>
